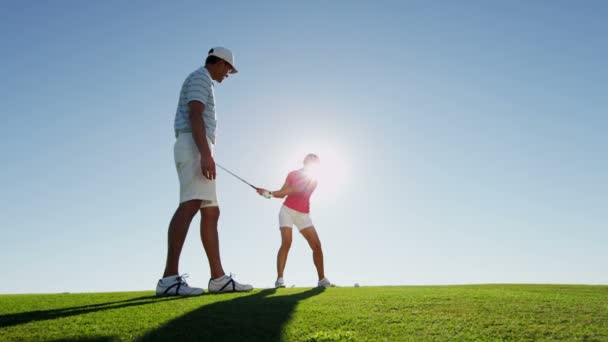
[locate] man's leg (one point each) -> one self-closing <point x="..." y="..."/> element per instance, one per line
<point x="209" y="236"/>
<point x="283" y="250"/>
<point x="310" y="234"/>
<point x="178" y="229"/>
<point x="219" y="282"/>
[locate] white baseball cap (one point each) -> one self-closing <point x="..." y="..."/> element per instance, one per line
<point x="224" y="54"/>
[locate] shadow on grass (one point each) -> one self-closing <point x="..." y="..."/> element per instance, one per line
<point x="41" y="315"/>
<point x="86" y="339"/>
<point x="251" y="318"/>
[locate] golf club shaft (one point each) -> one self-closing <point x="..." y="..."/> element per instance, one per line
<point x="241" y="179"/>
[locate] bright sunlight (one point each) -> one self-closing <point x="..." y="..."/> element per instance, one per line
<point x="333" y="172"/>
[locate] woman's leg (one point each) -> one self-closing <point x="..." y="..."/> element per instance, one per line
<point x="283" y="250"/>
<point x="310" y="234"/>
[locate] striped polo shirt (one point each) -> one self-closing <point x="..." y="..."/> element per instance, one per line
<point x="197" y="86"/>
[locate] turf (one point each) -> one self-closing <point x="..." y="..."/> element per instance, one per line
<point x="467" y="313"/>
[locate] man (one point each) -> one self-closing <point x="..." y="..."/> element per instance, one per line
<point x="195" y="125"/>
<point x="298" y="187"/>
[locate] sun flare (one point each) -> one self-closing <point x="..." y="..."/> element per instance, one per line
<point x="331" y="172"/>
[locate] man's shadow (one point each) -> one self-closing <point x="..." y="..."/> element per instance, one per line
<point x="257" y="317"/>
<point x="9" y="320"/>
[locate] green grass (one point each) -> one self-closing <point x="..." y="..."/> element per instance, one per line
<point x="441" y="313"/>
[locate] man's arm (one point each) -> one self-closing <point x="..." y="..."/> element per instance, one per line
<point x="195" y="114"/>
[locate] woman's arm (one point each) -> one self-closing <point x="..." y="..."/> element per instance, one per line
<point x="285" y="190"/>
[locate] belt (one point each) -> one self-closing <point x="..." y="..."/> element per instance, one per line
<point x="182" y="131"/>
<point x="190" y="131"/>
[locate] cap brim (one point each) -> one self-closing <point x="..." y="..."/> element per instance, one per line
<point x="234" y="70"/>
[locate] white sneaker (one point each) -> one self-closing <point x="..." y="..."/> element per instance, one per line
<point x="279" y="283"/>
<point x="325" y="283"/>
<point x="227" y="284"/>
<point x="176" y="286"/>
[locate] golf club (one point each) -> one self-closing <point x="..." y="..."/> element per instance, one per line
<point x="241" y="179"/>
<point x="265" y="194"/>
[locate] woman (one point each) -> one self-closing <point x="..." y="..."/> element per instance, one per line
<point x="298" y="187"/>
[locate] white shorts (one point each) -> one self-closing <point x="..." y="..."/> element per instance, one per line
<point x="288" y="217"/>
<point x="192" y="184"/>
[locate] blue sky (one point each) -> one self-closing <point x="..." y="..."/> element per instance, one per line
<point x="470" y="139"/>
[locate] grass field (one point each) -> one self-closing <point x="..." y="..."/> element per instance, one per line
<point x="442" y="313"/>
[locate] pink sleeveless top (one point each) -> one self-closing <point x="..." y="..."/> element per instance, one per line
<point x="300" y="200"/>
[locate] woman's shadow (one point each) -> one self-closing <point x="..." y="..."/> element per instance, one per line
<point x="257" y="317"/>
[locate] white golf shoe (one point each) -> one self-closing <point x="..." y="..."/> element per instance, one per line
<point x="176" y="286"/>
<point x="279" y="283"/>
<point x="325" y="283"/>
<point x="227" y="284"/>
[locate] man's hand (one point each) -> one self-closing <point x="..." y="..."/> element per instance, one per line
<point x="208" y="166"/>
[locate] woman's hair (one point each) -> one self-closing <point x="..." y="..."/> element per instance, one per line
<point x="311" y="158"/>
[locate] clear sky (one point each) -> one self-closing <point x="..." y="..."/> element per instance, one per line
<point x="467" y="140"/>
